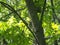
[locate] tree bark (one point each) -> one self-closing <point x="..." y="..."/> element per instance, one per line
<point x="38" y="29"/>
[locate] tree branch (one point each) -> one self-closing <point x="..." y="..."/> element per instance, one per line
<point x="44" y="6"/>
<point x="15" y="12"/>
<point x="54" y="14"/>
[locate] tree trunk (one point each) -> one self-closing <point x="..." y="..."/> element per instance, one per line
<point x="38" y="29"/>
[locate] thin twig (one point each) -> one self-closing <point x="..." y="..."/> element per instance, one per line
<point x="13" y="12"/>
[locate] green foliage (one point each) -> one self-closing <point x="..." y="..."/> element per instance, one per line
<point x="15" y="32"/>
